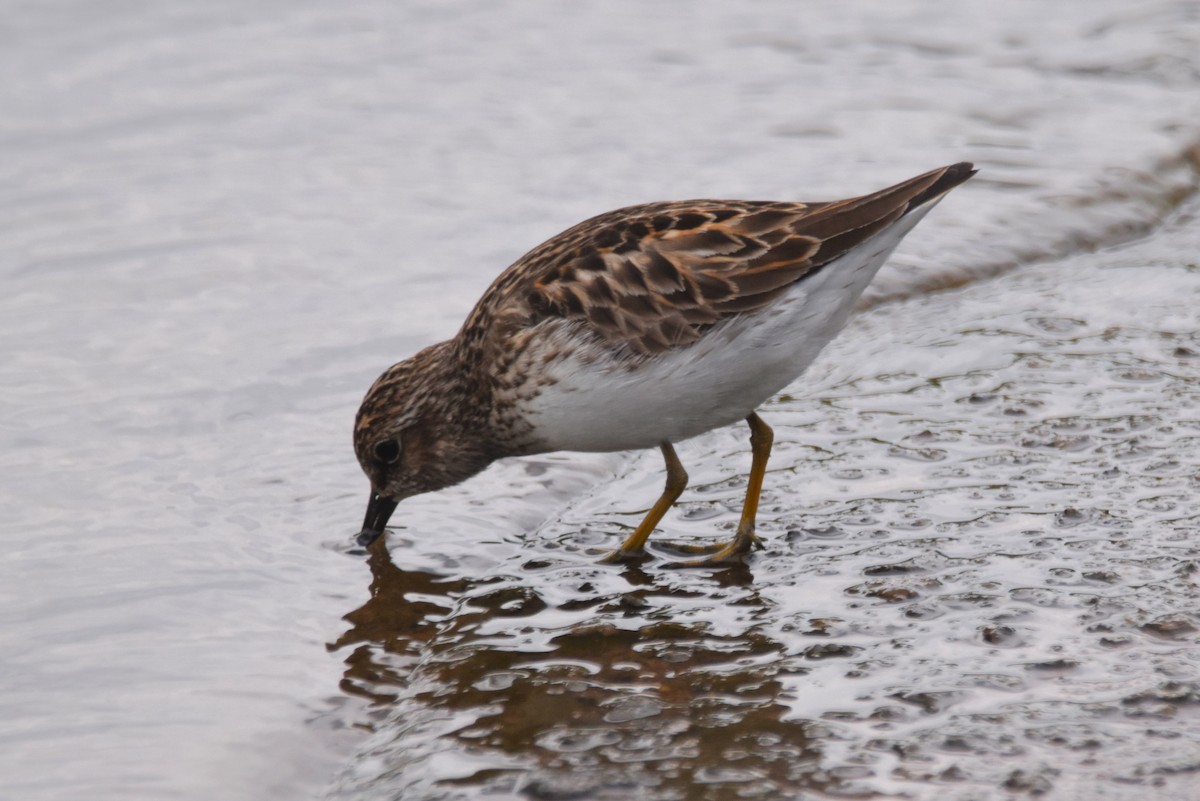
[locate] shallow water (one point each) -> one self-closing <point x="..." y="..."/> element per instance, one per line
<point x="219" y="222"/>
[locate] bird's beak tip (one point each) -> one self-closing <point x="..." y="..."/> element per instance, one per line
<point x="379" y="511"/>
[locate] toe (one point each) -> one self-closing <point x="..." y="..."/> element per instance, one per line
<point x="622" y="557"/>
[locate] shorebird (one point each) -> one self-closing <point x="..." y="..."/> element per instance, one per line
<point x="638" y="328"/>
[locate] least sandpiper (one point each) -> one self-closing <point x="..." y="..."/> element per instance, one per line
<point x="636" y="329"/>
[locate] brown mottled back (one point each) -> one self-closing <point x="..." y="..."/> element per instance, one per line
<point x="654" y="277"/>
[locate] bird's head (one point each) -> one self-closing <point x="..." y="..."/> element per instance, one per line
<point x="419" y="429"/>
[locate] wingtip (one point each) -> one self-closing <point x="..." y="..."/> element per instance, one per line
<point x="949" y="177"/>
<point x="959" y="172"/>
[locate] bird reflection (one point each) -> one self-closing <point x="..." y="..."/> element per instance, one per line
<point x="607" y="688"/>
<point x="388" y="632"/>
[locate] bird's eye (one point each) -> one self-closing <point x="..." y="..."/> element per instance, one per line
<point x="388" y="451"/>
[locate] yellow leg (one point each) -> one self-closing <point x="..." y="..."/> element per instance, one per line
<point x="761" y="439"/>
<point x="677" y="478"/>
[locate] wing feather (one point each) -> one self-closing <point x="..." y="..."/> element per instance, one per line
<point x="650" y="278"/>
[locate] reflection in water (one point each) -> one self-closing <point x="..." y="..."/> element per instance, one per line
<point x="599" y="709"/>
<point x="387" y="632"/>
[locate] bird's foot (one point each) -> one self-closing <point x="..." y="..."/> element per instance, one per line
<point x="719" y="554"/>
<point x="623" y="557"/>
<point x="689" y="548"/>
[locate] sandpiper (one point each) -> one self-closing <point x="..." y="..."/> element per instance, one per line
<point x="638" y="328"/>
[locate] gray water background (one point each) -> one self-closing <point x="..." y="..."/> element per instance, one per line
<point x="219" y="222"/>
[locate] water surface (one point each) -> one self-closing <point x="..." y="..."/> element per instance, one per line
<point x="219" y="222"/>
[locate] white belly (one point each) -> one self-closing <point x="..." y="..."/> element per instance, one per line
<point x="722" y="378"/>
